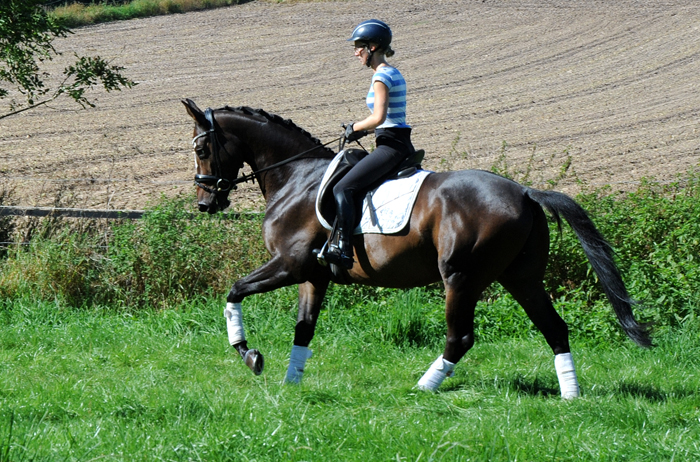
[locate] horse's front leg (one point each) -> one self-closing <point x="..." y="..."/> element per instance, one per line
<point x="310" y="301"/>
<point x="272" y="275"/>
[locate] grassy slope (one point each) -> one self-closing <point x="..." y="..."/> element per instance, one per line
<point x="86" y="385"/>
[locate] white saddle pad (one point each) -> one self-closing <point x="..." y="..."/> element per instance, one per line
<point x="386" y="209"/>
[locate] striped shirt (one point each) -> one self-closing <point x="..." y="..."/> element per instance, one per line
<point x="392" y="78"/>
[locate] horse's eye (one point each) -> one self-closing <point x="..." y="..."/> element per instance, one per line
<point x="201" y="153"/>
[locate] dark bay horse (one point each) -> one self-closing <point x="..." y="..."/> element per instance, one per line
<point x="468" y="229"/>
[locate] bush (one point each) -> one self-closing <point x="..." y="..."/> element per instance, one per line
<point x="62" y="267"/>
<point x="165" y="258"/>
<point x="81" y="13"/>
<point x="171" y="256"/>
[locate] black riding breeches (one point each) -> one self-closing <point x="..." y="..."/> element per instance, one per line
<point x="365" y="175"/>
<point x="370" y="171"/>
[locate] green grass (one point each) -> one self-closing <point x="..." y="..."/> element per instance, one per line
<point x="84" y="13"/>
<point x="164" y="385"/>
<point x="112" y="347"/>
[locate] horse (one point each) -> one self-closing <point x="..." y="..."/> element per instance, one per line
<point x="468" y="228"/>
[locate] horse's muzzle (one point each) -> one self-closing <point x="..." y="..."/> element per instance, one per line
<point x="213" y="203"/>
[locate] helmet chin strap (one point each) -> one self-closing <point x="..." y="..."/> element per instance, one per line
<point x="370" y="53"/>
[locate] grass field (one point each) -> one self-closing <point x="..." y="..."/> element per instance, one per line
<point x="113" y="347"/>
<point x="164" y="385"/>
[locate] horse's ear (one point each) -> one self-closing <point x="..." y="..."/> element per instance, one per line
<point x="195" y="112"/>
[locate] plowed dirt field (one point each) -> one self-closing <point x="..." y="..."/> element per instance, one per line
<point x="613" y="85"/>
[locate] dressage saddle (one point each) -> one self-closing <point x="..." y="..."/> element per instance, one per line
<point x="350" y="158"/>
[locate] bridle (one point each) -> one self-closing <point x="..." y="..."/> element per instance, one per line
<point x="222" y="184"/>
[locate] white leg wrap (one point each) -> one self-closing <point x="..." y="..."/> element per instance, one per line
<point x="566" y="372"/>
<point x="435" y="375"/>
<point x="297" y="361"/>
<point x="234" y="323"/>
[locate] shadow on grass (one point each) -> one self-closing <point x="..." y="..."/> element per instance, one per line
<point x="548" y="387"/>
<point x="534" y="387"/>
<point x="648" y="392"/>
<point x="529" y="386"/>
<point x="319" y="397"/>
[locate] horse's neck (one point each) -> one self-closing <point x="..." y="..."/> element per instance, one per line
<point x="269" y="148"/>
<point x="297" y="177"/>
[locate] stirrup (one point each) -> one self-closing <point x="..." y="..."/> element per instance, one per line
<point x="336" y="256"/>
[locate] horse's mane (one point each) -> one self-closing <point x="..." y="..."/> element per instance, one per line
<point x="279" y="121"/>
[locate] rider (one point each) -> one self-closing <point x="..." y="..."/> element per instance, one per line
<point x="387" y="102"/>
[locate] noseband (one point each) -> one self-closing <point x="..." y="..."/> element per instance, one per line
<point x="224" y="185"/>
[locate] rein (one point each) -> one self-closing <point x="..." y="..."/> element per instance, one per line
<point x="224" y="184"/>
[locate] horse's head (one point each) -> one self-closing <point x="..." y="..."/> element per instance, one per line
<point x="217" y="159"/>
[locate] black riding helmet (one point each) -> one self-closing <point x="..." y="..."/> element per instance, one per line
<point x="372" y="30"/>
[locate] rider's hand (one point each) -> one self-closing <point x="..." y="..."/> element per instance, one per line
<point x="352" y="135"/>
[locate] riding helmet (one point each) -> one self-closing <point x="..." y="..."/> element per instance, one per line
<point x="372" y="30"/>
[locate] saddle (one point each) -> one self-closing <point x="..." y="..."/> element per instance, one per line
<point x="350" y="158"/>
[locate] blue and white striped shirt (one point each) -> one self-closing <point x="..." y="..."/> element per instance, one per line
<point x="392" y="78"/>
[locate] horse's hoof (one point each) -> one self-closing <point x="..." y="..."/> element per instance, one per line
<point x="255" y="361"/>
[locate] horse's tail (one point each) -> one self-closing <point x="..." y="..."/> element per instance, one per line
<point x="600" y="255"/>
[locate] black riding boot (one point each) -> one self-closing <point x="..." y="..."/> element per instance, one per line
<point x="341" y="253"/>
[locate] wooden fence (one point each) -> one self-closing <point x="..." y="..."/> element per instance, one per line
<point x="94" y="213"/>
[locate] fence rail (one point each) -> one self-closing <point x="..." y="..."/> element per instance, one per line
<point x="92" y="180"/>
<point x="6" y="210"/>
<point x="69" y="212"/>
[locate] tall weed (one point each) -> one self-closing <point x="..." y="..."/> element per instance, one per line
<point x="172" y="256"/>
<point x="64" y="267"/>
<point x="655" y="231"/>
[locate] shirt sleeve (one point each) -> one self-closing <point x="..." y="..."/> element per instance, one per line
<point x="382" y="77"/>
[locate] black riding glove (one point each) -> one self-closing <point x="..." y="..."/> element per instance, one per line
<point x="352" y="135"/>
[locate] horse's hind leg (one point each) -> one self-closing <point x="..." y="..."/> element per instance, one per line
<point x="523" y="279"/>
<point x="459" y="314"/>
<point x="534" y="299"/>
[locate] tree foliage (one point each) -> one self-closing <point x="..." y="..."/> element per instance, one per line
<point x="27" y="32"/>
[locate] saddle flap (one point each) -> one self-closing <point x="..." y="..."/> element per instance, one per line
<point x="346" y="160"/>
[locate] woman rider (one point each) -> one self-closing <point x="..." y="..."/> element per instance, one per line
<point x="387" y="102"/>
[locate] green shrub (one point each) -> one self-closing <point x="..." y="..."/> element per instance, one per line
<point x="63" y="266"/>
<point x="81" y="13"/>
<point x="655" y="232"/>
<point x="172" y="256"/>
<point x="168" y="256"/>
